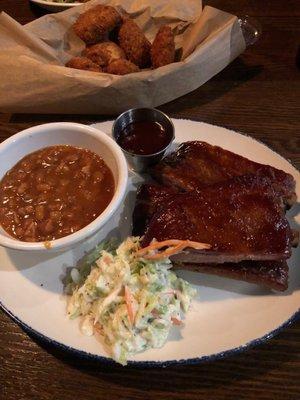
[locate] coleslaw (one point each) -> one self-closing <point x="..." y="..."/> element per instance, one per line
<point x="133" y="302"/>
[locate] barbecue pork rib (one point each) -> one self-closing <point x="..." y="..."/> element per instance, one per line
<point x="148" y="200"/>
<point x="197" y="164"/>
<point x="234" y="204"/>
<point x="151" y="197"/>
<point x="271" y="274"/>
<point x="241" y="219"/>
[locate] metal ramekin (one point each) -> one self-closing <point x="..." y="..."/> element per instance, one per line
<point x="140" y="163"/>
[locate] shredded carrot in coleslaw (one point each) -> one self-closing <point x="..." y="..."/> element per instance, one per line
<point x="174" y="246"/>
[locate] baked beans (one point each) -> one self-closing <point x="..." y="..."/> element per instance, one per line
<point x="54" y="192"/>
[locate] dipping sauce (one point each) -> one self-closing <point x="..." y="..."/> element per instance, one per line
<point x="54" y="192"/>
<point x="144" y="138"/>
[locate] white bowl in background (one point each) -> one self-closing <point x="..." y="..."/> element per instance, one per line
<point x="38" y="137"/>
<point x="54" y="7"/>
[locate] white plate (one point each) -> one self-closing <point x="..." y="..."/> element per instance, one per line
<point x="55" y="7"/>
<point x="226" y="316"/>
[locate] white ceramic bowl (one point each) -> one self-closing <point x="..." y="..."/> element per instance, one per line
<point x="32" y="139"/>
<point x="54" y="7"/>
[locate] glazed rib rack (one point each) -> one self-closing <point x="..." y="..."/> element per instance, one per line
<point x="207" y="194"/>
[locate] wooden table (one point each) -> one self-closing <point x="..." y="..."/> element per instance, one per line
<point x="258" y="94"/>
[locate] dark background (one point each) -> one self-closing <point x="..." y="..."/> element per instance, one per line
<point x="259" y="95"/>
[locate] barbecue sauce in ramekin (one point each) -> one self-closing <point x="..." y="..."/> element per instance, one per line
<point x="144" y="137"/>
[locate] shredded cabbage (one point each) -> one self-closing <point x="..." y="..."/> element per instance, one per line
<point x="132" y="302"/>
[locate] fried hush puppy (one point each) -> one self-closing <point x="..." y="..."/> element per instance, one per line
<point x="95" y="23"/>
<point x="163" y="47"/>
<point x="133" y="51"/>
<point x="104" y="53"/>
<point x="122" y="67"/>
<point x="134" y="43"/>
<point x="83" y="63"/>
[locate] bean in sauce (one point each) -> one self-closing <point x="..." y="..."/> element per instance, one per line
<point x="54" y="192"/>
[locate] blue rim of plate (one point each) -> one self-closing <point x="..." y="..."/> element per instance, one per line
<point x="151" y="364"/>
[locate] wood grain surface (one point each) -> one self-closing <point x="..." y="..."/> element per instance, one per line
<point x="258" y="94"/>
